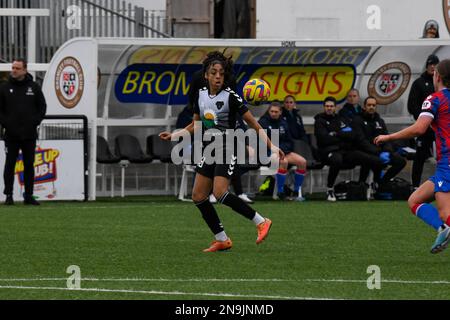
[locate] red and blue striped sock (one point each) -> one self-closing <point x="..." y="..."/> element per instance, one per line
<point x="428" y="214"/>
<point x="299" y="177"/>
<point x="281" y="179"/>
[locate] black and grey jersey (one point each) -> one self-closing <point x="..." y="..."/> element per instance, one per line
<point x="219" y="111"/>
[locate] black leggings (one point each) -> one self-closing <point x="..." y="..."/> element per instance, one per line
<point x="12" y="151"/>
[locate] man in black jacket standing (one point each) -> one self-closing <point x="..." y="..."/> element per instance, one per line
<point x="22" y="108"/>
<point x="367" y="126"/>
<point x="421" y="88"/>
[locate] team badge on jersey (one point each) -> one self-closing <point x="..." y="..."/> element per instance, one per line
<point x="426" y="105"/>
<point x="220" y="104"/>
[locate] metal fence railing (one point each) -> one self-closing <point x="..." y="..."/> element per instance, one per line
<point x="76" y="18"/>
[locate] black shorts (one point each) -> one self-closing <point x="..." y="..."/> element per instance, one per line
<point x="211" y="170"/>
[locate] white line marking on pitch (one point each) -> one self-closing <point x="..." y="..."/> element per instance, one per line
<point x="225" y="280"/>
<point x="150" y="205"/>
<point x="230" y="295"/>
<point x="151" y="280"/>
<point x="382" y="280"/>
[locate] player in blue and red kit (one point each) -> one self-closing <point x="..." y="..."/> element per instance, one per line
<point x="435" y="112"/>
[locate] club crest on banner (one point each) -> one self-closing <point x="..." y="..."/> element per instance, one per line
<point x="446" y="9"/>
<point x="389" y="82"/>
<point x="69" y="82"/>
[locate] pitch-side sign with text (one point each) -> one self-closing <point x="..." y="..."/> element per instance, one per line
<point x="163" y="75"/>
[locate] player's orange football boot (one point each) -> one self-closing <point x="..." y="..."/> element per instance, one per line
<point x="263" y="230"/>
<point x="219" y="246"/>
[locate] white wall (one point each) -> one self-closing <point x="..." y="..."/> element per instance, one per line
<point x="346" y="19"/>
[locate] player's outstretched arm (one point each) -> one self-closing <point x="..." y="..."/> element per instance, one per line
<point x="190" y="128"/>
<point x="251" y="121"/>
<point x="417" y="129"/>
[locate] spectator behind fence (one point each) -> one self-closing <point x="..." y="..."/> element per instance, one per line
<point x="431" y="30"/>
<point x="351" y="106"/>
<point x="295" y="122"/>
<point x="337" y="145"/>
<point x="421" y="88"/>
<point x="367" y="126"/>
<point x="271" y="120"/>
<point x="22" y="108"/>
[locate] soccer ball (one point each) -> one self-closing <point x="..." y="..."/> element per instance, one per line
<point x="256" y="91"/>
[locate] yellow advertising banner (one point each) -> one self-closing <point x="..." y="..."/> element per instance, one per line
<point x="309" y="83"/>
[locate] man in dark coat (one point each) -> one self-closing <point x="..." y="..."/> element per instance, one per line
<point x="421" y="88"/>
<point x="351" y="106"/>
<point x="337" y="145"/>
<point x="369" y="125"/>
<point x="22" y="108"/>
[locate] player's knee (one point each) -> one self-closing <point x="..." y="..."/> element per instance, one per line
<point x="283" y="164"/>
<point x="443" y="215"/>
<point x="413" y="207"/>
<point x="443" y="209"/>
<point x="219" y="192"/>
<point x="411" y="200"/>
<point x="301" y="164"/>
<point x="198" y="196"/>
<point x="413" y="204"/>
<point x="195" y="198"/>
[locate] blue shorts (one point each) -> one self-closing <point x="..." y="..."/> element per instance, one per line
<point x="441" y="180"/>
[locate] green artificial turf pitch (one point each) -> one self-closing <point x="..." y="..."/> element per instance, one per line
<point x="151" y="248"/>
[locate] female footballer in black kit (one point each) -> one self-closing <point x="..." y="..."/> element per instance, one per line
<point x="216" y="108"/>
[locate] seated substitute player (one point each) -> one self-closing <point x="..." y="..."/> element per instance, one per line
<point x="336" y="141"/>
<point x="435" y="112"/>
<point x="216" y="108"/>
<point x="272" y="119"/>
<point x="367" y="126"/>
<point x="351" y="107"/>
<point x="295" y="122"/>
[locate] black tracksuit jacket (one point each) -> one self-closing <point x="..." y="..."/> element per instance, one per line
<point x="366" y="128"/>
<point x="22" y="108"/>
<point x="330" y="138"/>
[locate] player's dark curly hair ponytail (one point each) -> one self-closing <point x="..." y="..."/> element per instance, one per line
<point x="215" y="57"/>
